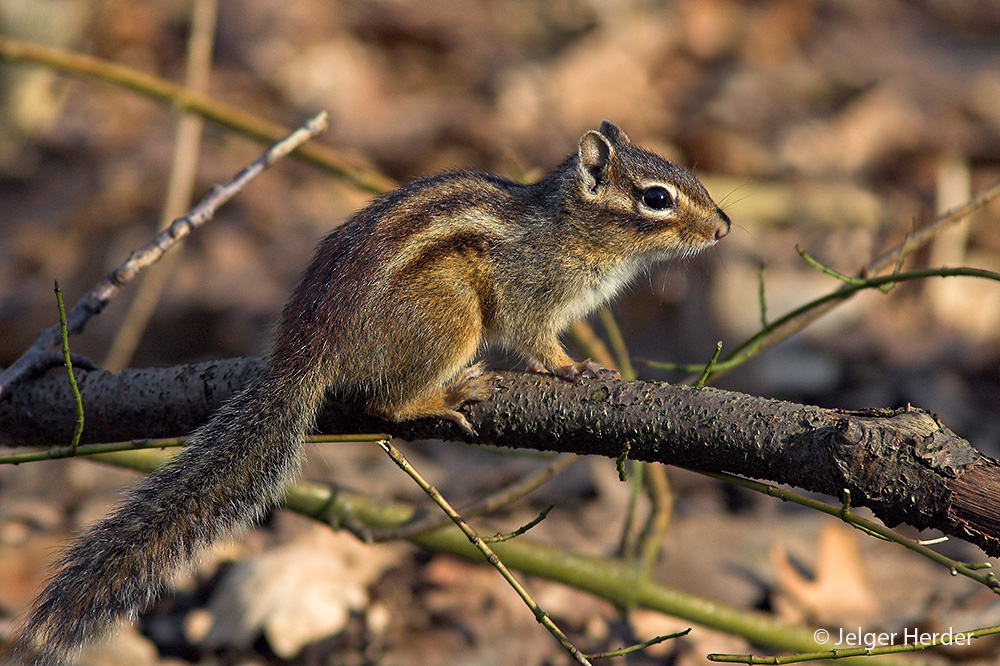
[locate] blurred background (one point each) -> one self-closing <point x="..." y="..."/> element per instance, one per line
<point x="837" y="125"/>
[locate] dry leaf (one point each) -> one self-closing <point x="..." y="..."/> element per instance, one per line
<point x="839" y="594"/>
<point x="296" y="594"/>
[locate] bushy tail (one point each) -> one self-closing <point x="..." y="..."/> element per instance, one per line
<point x="232" y="472"/>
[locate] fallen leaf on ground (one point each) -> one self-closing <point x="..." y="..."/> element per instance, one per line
<point x="839" y="593"/>
<point x="296" y="594"/>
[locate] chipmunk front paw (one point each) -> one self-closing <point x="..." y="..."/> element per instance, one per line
<point x="585" y="369"/>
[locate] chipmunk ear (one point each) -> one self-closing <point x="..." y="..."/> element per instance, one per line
<point x="595" y="152"/>
<point x="614" y="134"/>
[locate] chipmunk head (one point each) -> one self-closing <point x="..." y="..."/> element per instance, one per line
<point x="661" y="208"/>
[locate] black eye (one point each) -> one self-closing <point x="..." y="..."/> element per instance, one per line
<point x="657" y="198"/>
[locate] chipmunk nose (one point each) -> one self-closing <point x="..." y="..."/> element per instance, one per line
<point x="724" y="225"/>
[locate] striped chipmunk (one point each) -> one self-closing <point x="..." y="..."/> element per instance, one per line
<point x="394" y="307"/>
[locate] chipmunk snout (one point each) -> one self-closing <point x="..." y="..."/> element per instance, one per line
<point x="722" y="230"/>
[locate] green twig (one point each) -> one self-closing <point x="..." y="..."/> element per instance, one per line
<point x="710" y="366"/>
<point x="974" y="566"/>
<point x="57" y="453"/>
<point x="892" y="258"/>
<point x="84" y="450"/>
<point x="77" y="400"/>
<point x="847" y="279"/>
<point x="845" y="515"/>
<point x="749" y="346"/>
<point x="500" y="537"/>
<point x="761" y="298"/>
<point x="826" y="270"/>
<point x="640" y="646"/>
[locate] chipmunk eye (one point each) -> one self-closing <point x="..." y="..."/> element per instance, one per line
<point x="657" y="198"/>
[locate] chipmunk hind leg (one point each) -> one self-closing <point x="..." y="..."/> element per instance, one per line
<point x="449" y="334"/>
<point x="443" y="400"/>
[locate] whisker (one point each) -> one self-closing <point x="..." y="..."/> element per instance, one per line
<point x="733" y="191"/>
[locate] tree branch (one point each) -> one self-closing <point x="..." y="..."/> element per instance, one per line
<point x="903" y="464"/>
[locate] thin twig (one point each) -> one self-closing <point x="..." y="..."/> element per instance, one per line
<point x="68" y="362"/>
<point x="84" y="450"/>
<point x="761" y="296"/>
<point x="710" y="366"/>
<point x="640" y="646"/>
<point x="500" y="537"/>
<point x="491" y="557"/>
<point x="94" y="301"/>
<point x="827" y="270"/>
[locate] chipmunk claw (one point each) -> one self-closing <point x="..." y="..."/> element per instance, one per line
<point x="586" y="369"/>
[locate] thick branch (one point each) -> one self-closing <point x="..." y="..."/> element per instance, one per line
<point x="904" y="464"/>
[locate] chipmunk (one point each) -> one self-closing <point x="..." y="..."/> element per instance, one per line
<point x="394" y="308"/>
